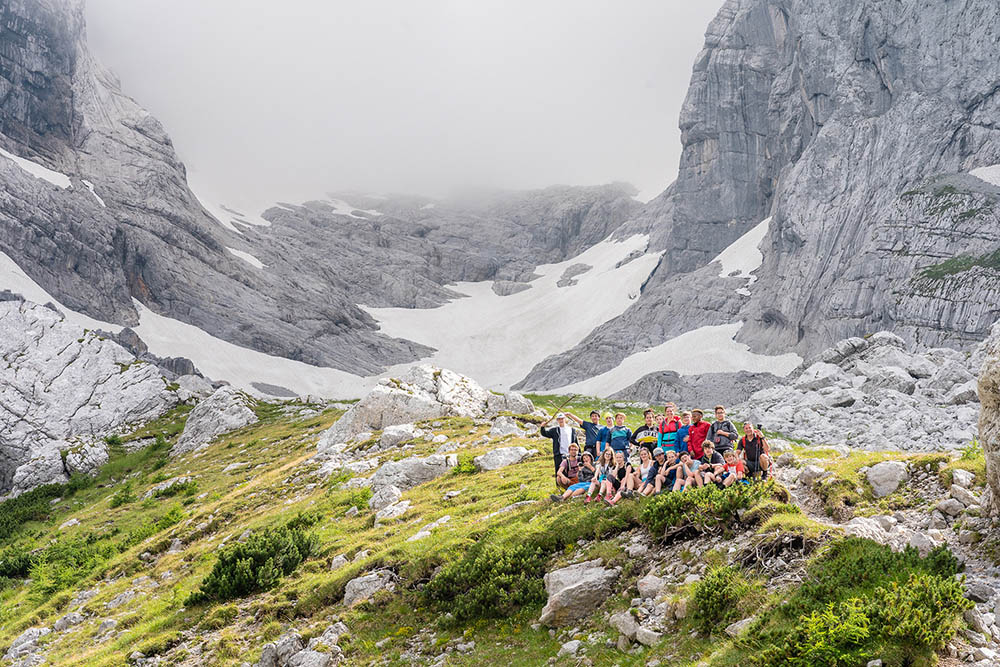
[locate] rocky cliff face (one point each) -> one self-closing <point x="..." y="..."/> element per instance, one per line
<point x="61" y="391"/>
<point x="853" y="126"/>
<point x="989" y="416"/>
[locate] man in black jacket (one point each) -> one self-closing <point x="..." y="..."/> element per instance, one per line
<point x="562" y="435"/>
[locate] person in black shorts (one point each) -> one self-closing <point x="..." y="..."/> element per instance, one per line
<point x="755" y="451"/>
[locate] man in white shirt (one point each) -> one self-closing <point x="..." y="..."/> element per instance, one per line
<point x="561" y="435"/>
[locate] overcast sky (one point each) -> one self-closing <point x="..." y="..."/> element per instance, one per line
<point x="271" y="101"/>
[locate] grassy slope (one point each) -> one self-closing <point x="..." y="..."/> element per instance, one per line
<point x="272" y="489"/>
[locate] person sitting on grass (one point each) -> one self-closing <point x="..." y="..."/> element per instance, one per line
<point x="687" y="473"/>
<point x="755" y="451"/>
<point x="663" y="474"/>
<point x="645" y="464"/>
<point x="569" y="469"/>
<point x="646" y="435"/>
<point x="711" y="467"/>
<point x="620" y="435"/>
<point x="732" y="469"/>
<point x="619" y="482"/>
<point x="585" y="477"/>
<point x="603" y="467"/>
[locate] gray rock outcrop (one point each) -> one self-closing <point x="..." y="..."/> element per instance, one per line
<point x="364" y="587"/>
<point x="885" y="477"/>
<point x="63" y="390"/>
<point x="576" y="591"/>
<point x="989" y="416"/>
<point x="908" y="400"/>
<point x="226" y="410"/>
<point x="425" y="392"/>
<point x="410" y="472"/>
<point x="501" y="457"/>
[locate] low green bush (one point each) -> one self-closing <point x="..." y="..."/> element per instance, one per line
<point x="34" y="505"/>
<point x="15" y="562"/>
<point x="717" y="598"/>
<point x="859" y="601"/>
<point x="255" y="565"/>
<point x="465" y="465"/>
<point x="188" y="488"/>
<point x="123" y="496"/>
<point x="703" y="509"/>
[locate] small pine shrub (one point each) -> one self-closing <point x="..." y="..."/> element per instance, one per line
<point x="15" y="562"/>
<point x="703" y="509"/>
<point x="188" y="488"/>
<point x="492" y="580"/>
<point x="123" y="496"/>
<point x="78" y="482"/>
<point x="837" y="635"/>
<point x="255" y="565"/>
<point x="31" y="506"/>
<point x="465" y="465"/>
<point x="717" y="597"/>
<point x="923" y="611"/>
<point x="114" y="440"/>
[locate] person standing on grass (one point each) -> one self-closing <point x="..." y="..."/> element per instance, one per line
<point x="755" y="451"/>
<point x="646" y="435"/>
<point x="697" y="433"/>
<point x="620" y="435"/>
<point x="668" y="428"/>
<point x="683" y="434"/>
<point x="562" y="436"/>
<point x="604" y="435"/>
<point x="722" y="433"/>
<point x="591" y="431"/>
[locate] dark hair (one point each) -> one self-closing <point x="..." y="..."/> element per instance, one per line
<point x="595" y="412"/>
<point x="647" y="411"/>
<point x="720" y="407"/>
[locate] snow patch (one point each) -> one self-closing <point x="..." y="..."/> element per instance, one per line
<point x="743" y="256"/>
<point x="228" y="215"/>
<point x="90" y="186"/>
<point x="247" y="257"/>
<point x="38" y="171"/>
<point x="708" y="349"/>
<point x="167" y="337"/>
<point x="989" y="174"/>
<point x="341" y="207"/>
<point x="219" y="360"/>
<point x="498" y="339"/>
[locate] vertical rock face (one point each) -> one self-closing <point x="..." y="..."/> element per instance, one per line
<point x="57" y="385"/>
<point x="989" y="416"/>
<point x="853" y="126"/>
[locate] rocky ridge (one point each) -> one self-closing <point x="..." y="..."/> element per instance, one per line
<point x="989" y="416"/>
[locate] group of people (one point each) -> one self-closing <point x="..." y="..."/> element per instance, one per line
<point x="669" y="452"/>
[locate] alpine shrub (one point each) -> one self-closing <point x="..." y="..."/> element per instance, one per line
<point x="837" y="635"/>
<point x="255" y="565"/>
<point x="31" y="506"/>
<point x="703" y="509"/>
<point x="923" y="611"/>
<point x="123" y="496"/>
<point x="492" y="580"/>
<point x="717" y="597"/>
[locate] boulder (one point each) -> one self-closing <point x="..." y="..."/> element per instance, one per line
<point x="963" y="478"/>
<point x="364" y="587"/>
<point x="502" y="457"/>
<point x="504" y="426"/>
<point x="68" y="621"/>
<point x="810" y="474"/>
<point x="398" y="434"/>
<point x="819" y="375"/>
<point x="393" y="511"/>
<point x="424" y="392"/>
<point x="25" y="643"/>
<point x="737" y="628"/>
<point x="385" y="496"/>
<point x="647" y="637"/>
<point x="650" y="586"/>
<point x="963" y="495"/>
<point x="62" y="389"/>
<point x="409" y="472"/>
<point x="625" y="623"/>
<point x="575" y="591"/>
<point x="226" y="410"/>
<point x="570" y="648"/>
<point x="967" y="392"/>
<point x="950" y="507"/>
<point x="885" y="477"/>
<point x="157" y="489"/>
<point x="886" y="377"/>
<point x="278" y="654"/>
<point x="923" y="542"/>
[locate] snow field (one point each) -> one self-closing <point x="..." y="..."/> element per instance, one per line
<point x="38" y="171"/>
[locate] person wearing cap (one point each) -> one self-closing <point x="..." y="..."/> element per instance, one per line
<point x="591" y="431"/>
<point x="562" y="435"/>
<point x="697" y="433"/>
<point x="659" y="461"/>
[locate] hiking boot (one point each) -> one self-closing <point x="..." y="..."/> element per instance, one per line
<point x="555" y="497"/>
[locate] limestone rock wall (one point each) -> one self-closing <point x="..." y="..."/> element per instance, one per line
<point x="989" y="415"/>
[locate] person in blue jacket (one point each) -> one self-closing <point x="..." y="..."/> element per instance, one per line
<point x="620" y="435"/>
